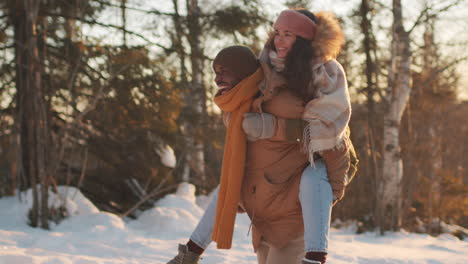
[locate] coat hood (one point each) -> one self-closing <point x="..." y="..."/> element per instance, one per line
<point x="329" y="37"/>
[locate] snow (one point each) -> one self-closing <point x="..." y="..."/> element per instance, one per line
<point x="168" y="157"/>
<point x="90" y="236"/>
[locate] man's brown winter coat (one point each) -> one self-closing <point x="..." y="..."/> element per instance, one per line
<point x="270" y="188"/>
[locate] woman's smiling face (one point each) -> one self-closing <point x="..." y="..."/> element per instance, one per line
<point x="283" y="41"/>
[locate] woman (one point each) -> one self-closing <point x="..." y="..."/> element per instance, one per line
<point x="303" y="89"/>
<point x="302" y="49"/>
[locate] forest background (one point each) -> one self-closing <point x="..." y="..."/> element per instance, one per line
<point x="97" y="93"/>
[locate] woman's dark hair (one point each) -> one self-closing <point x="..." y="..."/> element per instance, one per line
<point x="297" y="68"/>
<point x="297" y="65"/>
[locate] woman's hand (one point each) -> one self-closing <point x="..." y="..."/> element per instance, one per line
<point x="273" y="80"/>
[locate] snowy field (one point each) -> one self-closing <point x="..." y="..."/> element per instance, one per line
<point x="93" y="237"/>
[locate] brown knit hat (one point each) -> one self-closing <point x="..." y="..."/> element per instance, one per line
<point x="239" y="59"/>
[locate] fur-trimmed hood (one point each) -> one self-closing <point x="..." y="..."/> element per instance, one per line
<point x="329" y="37"/>
<point x="327" y="43"/>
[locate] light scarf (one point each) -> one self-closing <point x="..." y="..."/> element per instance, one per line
<point x="328" y="114"/>
<point x="237" y="101"/>
<point x="277" y="63"/>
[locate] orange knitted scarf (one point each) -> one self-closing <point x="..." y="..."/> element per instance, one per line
<point x="237" y="101"/>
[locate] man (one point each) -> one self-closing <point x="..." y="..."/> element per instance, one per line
<point x="231" y="65"/>
<point x="238" y="77"/>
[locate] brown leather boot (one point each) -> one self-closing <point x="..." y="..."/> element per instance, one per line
<point x="185" y="256"/>
<point x="308" y="261"/>
<point x="314" y="257"/>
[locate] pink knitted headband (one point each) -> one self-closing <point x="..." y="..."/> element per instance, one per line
<point x="297" y="23"/>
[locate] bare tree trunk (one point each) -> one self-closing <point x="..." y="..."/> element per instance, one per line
<point x="177" y="40"/>
<point x="389" y="187"/>
<point x="70" y="25"/>
<point x="429" y="60"/>
<point x="124" y="22"/>
<point x="13" y="158"/>
<point x="197" y="99"/>
<point x="366" y="28"/>
<point x="31" y="107"/>
<point x="371" y="80"/>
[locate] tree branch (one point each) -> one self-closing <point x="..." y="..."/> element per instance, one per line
<point x="434" y="74"/>
<point x="423" y="16"/>
<point x="7" y="47"/>
<point x="95" y="22"/>
<point x="153" y="12"/>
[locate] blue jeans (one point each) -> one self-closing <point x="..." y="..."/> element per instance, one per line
<point x="316" y="197"/>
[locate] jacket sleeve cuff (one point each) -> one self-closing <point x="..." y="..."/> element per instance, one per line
<point x="294" y="129"/>
<point x="289" y="129"/>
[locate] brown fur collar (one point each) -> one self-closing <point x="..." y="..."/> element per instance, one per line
<point x="329" y="37"/>
<point x="327" y="43"/>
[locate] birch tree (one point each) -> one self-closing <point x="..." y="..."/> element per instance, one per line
<point x="389" y="190"/>
<point x="388" y="209"/>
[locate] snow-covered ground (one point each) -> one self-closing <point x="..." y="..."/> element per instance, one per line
<point x="90" y="236"/>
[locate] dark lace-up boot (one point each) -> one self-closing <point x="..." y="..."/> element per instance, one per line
<point x="185" y="256"/>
